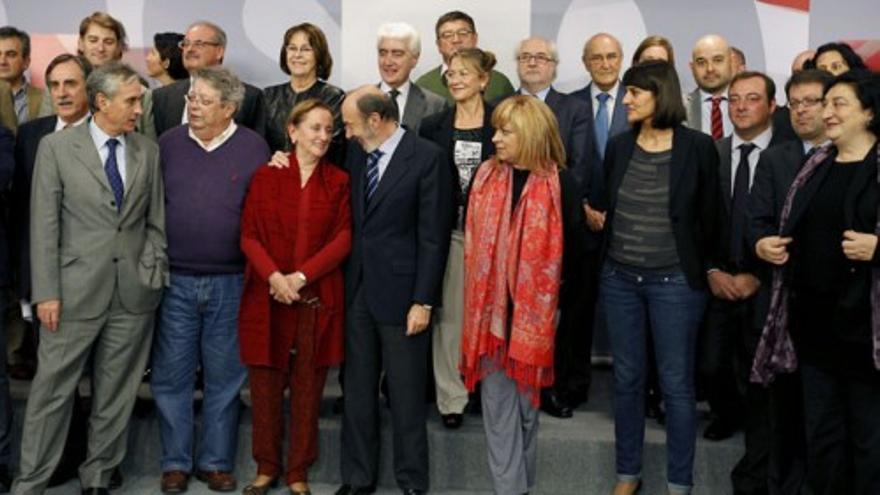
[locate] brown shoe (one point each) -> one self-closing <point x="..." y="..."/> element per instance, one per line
<point x="218" y="481"/>
<point x="174" y="481"/>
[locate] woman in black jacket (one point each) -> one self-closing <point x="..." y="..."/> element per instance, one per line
<point x="659" y="217"/>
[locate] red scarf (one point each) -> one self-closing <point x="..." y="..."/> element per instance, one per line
<point x="514" y="260"/>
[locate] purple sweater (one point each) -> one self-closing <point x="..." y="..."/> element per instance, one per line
<point x="204" y="197"/>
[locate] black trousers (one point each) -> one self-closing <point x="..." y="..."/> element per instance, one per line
<point x="842" y="418"/>
<point x="574" y="334"/>
<point x="722" y="353"/>
<point x="371" y="347"/>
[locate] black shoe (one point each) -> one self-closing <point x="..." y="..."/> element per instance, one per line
<point x="719" y="430"/>
<point x="115" y="479"/>
<point x="65" y="472"/>
<point x="452" y="421"/>
<point x="577" y="397"/>
<point x="553" y="405"/>
<point x="412" y="491"/>
<point x="338" y="405"/>
<point x="474" y="405"/>
<point x="354" y="490"/>
<point x="95" y="491"/>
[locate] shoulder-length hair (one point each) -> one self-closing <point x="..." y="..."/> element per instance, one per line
<point x="654" y="40"/>
<point x="540" y="147"/>
<point x="866" y="86"/>
<point x="661" y="80"/>
<point x="318" y="42"/>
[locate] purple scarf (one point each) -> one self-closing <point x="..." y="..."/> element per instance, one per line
<point x="775" y="353"/>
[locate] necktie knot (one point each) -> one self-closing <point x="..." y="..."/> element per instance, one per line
<point x="746" y="149"/>
<point x="603" y="97"/>
<point x="111" y="144"/>
<point x="394" y="93"/>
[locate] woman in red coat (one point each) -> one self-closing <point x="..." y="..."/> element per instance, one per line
<point x="296" y="232"/>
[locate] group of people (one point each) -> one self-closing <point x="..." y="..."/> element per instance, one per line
<point x="457" y="237"/>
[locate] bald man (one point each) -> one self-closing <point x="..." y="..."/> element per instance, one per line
<point x="800" y="59"/>
<point x="402" y="216"/>
<point x="712" y="68"/>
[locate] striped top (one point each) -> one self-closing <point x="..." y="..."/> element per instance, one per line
<point x="641" y="234"/>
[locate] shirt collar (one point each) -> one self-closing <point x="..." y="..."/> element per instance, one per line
<point x="218" y="140"/>
<point x="762" y="141"/>
<point x="595" y="91"/>
<point x="22" y="89"/>
<point x="542" y="95"/>
<point x="808" y="145"/>
<point x="705" y="96"/>
<point x="60" y="124"/>
<point x="387" y="148"/>
<point x="100" y="137"/>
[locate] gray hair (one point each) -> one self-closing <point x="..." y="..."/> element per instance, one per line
<point x="551" y="45"/>
<point x="219" y="33"/>
<point x="224" y="81"/>
<point x="106" y="80"/>
<point x="401" y="31"/>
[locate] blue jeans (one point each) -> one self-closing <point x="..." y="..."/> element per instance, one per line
<point x="675" y="310"/>
<point x="198" y="323"/>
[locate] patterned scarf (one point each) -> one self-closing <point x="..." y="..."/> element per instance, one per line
<point x="775" y="353"/>
<point x="514" y="260"/>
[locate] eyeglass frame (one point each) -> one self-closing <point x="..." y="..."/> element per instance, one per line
<point x="197" y="44"/>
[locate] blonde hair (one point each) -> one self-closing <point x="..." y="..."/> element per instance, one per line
<point x="540" y="147"/>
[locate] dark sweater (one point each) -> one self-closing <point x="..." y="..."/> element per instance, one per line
<point x="204" y="196"/>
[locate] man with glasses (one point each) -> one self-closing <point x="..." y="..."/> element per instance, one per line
<point x="204" y="45"/>
<point x="537" y="59"/>
<point x="776" y="169"/>
<point x="207" y="165"/>
<point x="455" y="31"/>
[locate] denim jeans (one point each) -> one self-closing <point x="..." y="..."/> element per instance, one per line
<point x="198" y="323"/>
<point x="628" y="296"/>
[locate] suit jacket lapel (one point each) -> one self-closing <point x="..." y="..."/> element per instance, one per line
<point x="84" y="150"/>
<point x="134" y="159"/>
<point x="725" y="148"/>
<point x="695" y="116"/>
<point x="621" y="163"/>
<point x="805" y="194"/>
<point x="618" y="120"/>
<point x="415" y="107"/>
<point x="678" y="163"/>
<point x="396" y="170"/>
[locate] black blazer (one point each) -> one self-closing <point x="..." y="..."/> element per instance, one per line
<point x="576" y="129"/>
<point x="693" y="197"/>
<point x="860" y="214"/>
<point x="26" y="144"/>
<point x="168" y="105"/>
<point x="439" y="129"/>
<point x="774" y="174"/>
<point x="400" y="243"/>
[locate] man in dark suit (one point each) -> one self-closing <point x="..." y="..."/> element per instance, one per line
<point x="537" y="59"/>
<point x="602" y="56"/>
<point x="7" y="165"/>
<point x="401" y="204"/>
<point x="204" y="45"/>
<point x="729" y="340"/>
<point x="399" y="48"/>
<point x="776" y="169"/>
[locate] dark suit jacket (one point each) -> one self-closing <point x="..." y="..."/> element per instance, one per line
<point x="576" y="130"/>
<point x="693" y="197"/>
<point x="774" y="174"/>
<point x="168" y="105"/>
<point x="29" y="136"/>
<point x="595" y="182"/>
<point x="420" y="103"/>
<point x="400" y="242"/>
<point x="724" y="147"/>
<point x="7" y="167"/>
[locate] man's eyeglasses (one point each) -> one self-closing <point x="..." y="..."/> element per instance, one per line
<point x="197" y="44"/>
<point x="201" y="100"/>
<point x="461" y="33"/>
<point x="538" y="58"/>
<point x="805" y="103"/>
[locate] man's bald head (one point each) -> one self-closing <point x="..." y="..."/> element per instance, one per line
<point x="711" y="64"/>
<point x="369" y="115"/>
<point x="602" y="58"/>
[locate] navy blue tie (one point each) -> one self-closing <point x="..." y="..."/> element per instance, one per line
<point x="601" y="123"/>
<point x="112" y="171"/>
<point x="372" y="173"/>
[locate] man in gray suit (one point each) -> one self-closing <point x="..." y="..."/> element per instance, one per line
<point x="712" y="68"/>
<point x="98" y="268"/>
<point x="399" y="48"/>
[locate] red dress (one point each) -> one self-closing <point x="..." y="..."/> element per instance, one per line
<point x="287" y="228"/>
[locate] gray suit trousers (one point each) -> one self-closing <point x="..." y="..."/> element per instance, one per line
<point x="121" y="344"/>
